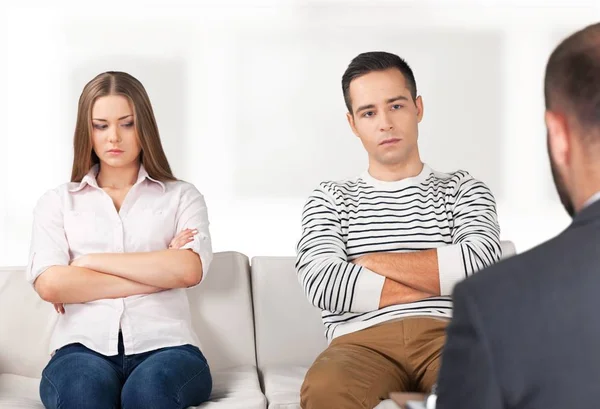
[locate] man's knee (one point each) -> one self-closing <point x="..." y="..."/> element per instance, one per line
<point x="326" y="386"/>
<point x="429" y="378"/>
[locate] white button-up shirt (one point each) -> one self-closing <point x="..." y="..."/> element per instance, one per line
<point x="80" y="218"/>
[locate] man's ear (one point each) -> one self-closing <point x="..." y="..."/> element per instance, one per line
<point x="559" y="142"/>
<point x="419" y="104"/>
<point x="350" y="119"/>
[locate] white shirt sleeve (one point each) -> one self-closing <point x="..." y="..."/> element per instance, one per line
<point x="193" y="214"/>
<point x="49" y="246"/>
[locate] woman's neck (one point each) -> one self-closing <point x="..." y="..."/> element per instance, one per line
<point x="117" y="178"/>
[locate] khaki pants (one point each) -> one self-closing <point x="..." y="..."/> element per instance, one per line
<point x="360" y="369"/>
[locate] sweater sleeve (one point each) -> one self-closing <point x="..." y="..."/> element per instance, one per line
<point x="330" y="282"/>
<point x="475" y="235"/>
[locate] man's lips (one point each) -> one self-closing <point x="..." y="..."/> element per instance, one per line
<point x="389" y="141"/>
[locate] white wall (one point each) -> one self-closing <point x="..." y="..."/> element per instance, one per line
<point x="248" y="99"/>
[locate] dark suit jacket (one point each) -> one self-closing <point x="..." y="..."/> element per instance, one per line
<point x="526" y="331"/>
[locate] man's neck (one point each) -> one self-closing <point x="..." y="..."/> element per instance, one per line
<point x="584" y="183"/>
<point x="586" y="196"/>
<point x="396" y="172"/>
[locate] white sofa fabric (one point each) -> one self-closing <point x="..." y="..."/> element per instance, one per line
<point x="222" y="317"/>
<point x="250" y="322"/>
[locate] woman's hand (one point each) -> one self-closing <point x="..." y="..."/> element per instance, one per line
<point x="183" y="238"/>
<point x="60" y="308"/>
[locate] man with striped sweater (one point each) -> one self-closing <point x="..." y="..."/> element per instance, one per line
<point x="381" y="253"/>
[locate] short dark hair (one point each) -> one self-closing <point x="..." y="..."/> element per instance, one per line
<point x="376" y="61"/>
<point x="572" y="82"/>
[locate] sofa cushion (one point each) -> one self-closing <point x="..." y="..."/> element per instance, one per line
<point x="289" y="330"/>
<point x="508" y="249"/>
<point x="236" y="388"/>
<point x="221" y="308"/>
<point x="27" y="323"/>
<point x="282" y="385"/>
<point x="19" y="392"/>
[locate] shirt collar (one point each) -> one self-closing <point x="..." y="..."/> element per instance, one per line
<point x="592" y="199"/>
<point x="90" y="179"/>
<point x="398" y="184"/>
<point x="143" y="174"/>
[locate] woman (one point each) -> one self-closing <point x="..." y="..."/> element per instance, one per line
<point x="114" y="251"/>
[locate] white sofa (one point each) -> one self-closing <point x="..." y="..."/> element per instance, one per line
<point x="222" y="313"/>
<point x="256" y="328"/>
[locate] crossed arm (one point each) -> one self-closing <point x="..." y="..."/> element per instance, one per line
<point x="365" y="284"/>
<point x="408" y="276"/>
<point x="378" y="280"/>
<point x="91" y="277"/>
<point x="114" y="275"/>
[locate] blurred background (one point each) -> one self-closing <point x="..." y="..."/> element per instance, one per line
<point x="248" y="100"/>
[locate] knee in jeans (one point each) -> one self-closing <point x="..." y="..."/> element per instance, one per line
<point x="81" y="392"/>
<point x="148" y="390"/>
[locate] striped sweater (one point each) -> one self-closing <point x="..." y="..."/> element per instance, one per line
<point x="342" y="221"/>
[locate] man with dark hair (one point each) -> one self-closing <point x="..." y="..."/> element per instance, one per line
<point x="525" y="333"/>
<point x="379" y="254"/>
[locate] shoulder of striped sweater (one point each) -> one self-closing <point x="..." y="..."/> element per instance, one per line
<point x="340" y="186"/>
<point x="456" y="178"/>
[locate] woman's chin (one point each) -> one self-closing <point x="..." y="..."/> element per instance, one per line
<point x="118" y="162"/>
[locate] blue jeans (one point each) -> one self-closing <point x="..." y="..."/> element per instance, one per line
<point x="79" y="378"/>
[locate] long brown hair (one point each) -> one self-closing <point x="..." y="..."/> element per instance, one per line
<point x="152" y="155"/>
